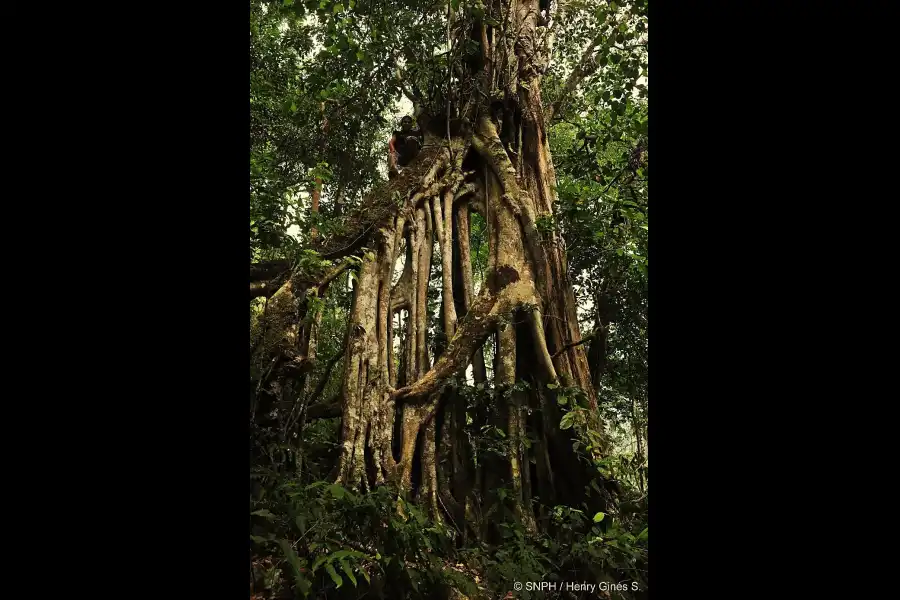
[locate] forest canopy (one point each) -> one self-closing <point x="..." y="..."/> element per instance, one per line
<point x="448" y="351"/>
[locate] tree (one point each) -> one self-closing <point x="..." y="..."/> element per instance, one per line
<point x="428" y="356"/>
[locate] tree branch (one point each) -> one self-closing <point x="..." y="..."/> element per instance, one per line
<point x="615" y="179"/>
<point x="586" y="338"/>
<point x="331" y="275"/>
<point x="586" y="67"/>
<point x="265" y="289"/>
<point x="471" y="332"/>
<point x="268" y="269"/>
<point x="412" y="96"/>
<point x="325" y="410"/>
<point x="297" y="367"/>
<point x="378" y="205"/>
<point x="327" y="375"/>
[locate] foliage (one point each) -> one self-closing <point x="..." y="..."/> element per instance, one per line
<point x="322" y="537"/>
<point x="600" y="147"/>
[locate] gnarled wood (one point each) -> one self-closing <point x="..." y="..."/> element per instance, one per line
<point x="526" y="296"/>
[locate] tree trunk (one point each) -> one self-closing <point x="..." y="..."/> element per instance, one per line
<point x="495" y="157"/>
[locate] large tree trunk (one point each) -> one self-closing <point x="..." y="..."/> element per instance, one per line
<point x="404" y="423"/>
<point x="498" y="162"/>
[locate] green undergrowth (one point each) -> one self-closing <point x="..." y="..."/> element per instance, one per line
<point x="321" y="540"/>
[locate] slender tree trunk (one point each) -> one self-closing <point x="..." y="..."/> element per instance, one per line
<point x="317" y="188"/>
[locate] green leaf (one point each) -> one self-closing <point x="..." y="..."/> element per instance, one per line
<point x="334" y="576"/>
<point x="258" y="540"/>
<point x="643" y="535"/>
<point x="346" y="568"/>
<point x="319" y="562"/>
<point x="336" y="490"/>
<point x="599" y="517"/>
<point x="562" y="400"/>
<point x="360" y="55"/>
<point x="263" y="513"/>
<point x="290" y="555"/>
<point x="338" y="8"/>
<point x="566" y="422"/>
<point x="552" y="386"/>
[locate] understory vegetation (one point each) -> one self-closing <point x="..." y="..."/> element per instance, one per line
<point x="448" y="374"/>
